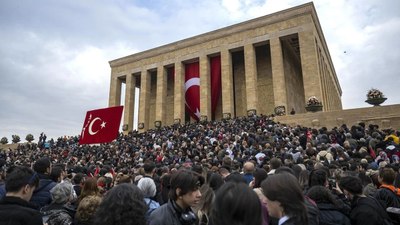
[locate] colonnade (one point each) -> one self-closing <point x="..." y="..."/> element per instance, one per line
<point x="296" y="66"/>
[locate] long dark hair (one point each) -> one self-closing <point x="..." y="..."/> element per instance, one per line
<point x="236" y="204"/>
<point x="321" y="194"/>
<point x="285" y="189"/>
<point x="186" y="180"/>
<point x="123" y="204"/>
<point x="259" y="175"/>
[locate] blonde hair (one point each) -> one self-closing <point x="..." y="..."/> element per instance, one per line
<point x="87" y="207"/>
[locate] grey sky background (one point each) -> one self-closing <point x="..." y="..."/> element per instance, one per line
<point x="54" y="54"/>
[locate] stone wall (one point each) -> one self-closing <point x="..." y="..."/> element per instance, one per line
<point x="153" y="95"/>
<point x="264" y="81"/>
<point x="170" y="101"/>
<point x="384" y="116"/>
<point x="239" y="81"/>
<point x="294" y="80"/>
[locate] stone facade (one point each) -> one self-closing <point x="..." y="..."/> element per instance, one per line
<point x="384" y="116"/>
<point x="275" y="60"/>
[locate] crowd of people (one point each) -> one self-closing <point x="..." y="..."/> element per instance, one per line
<point x="248" y="170"/>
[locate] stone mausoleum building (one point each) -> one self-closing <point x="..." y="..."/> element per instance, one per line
<point x="278" y="60"/>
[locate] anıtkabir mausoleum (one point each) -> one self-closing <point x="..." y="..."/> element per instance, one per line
<point x="277" y="61"/>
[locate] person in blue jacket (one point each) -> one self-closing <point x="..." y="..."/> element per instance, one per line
<point x="41" y="196"/>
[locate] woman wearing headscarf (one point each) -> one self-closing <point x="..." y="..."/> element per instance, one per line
<point x="148" y="188"/>
<point x="59" y="212"/>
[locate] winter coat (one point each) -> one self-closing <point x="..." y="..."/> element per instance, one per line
<point x="41" y="196"/>
<point x="2" y="189"/>
<point x="16" y="211"/>
<point x="77" y="222"/>
<point x="312" y="211"/>
<point x="165" y="215"/>
<point x="329" y="215"/>
<point x="151" y="205"/>
<point x="390" y="199"/>
<point x="367" y="211"/>
<point x="248" y="177"/>
<point x="58" y="214"/>
<point x="370" y="190"/>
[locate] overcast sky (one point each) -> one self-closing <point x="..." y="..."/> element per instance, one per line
<point x="54" y="54"/>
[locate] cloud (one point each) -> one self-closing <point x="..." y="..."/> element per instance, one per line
<point x="360" y="41"/>
<point x="54" y="54"/>
<point x="49" y="83"/>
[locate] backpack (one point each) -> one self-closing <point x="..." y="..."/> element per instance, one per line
<point x="395" y="192"/>
<point x="382" y="212"/>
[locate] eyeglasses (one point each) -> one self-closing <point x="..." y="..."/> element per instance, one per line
<point x="32" y="178"/>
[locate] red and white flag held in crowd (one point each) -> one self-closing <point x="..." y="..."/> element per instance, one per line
<point x="101" y="125"/>
<point x="192" y="89"/>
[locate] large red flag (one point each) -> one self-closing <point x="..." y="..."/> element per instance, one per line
<point x="215" y="82"/>
<point x="101" y="125"/>
<point x="192" y="89"/>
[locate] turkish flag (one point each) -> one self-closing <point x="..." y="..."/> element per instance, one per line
<point x="215" y="73"/>
<point x="192" y="89"/>
<point x="101" y="125"/>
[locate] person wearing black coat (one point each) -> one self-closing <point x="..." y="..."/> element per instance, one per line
<point x="328" y="207"/>
<point x="19" y="211"/>
<point x="387" y="193"/>
<point x="15" y="207"/>
<point x="364" y="210"/>
<point x="329" y="215"/>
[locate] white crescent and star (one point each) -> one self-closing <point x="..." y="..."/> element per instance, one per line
<point x="195" y="81"/>
<point x="103" y="125"/>
<point x="197" y="113"/>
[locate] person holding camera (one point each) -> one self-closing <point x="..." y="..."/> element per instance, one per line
<point x="183" y="195"/>
<point x="328" y="206"/>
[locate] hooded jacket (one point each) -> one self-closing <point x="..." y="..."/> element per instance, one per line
<point x="41" y="196"/>
<point x="329" y="215"/>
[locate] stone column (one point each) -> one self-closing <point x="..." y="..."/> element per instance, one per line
<point x="278" y="74"/>
<point x="309" y="65"/>
<point x="227" y="87"/>
<point x="144" y="100"/>
<point x="161" y="95"/>
<point x="179" y="93"/>
<point x="129" y="102"/>
<point x="115" y="91"/>
<point x="205" y="88"/>
<point x="325" y="84"/>
<point x="251" y="77"/>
